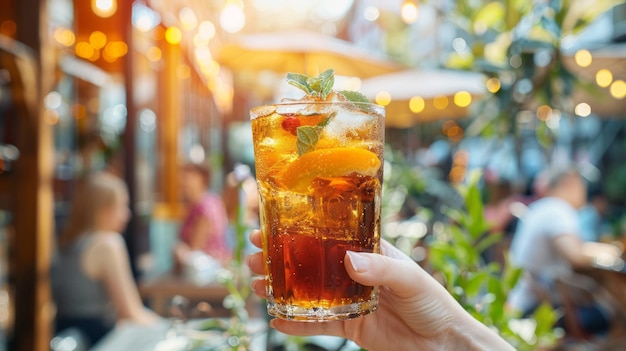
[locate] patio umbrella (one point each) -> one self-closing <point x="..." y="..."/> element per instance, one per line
<point x="301" y="52"/>
<point x="419" y="96"/>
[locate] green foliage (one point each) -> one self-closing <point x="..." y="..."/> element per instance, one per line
<point x="519" y="42"/>
<point x="320" y="86"/>
<point x="481" y="288"/>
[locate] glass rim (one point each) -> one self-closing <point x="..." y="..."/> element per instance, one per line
<point x="263" y="110"/>
<point x="321" y="102"/>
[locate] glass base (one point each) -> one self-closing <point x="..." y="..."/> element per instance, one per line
<point x="319" y="314"/>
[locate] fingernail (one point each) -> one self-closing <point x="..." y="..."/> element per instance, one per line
<point x="359" y="262"/>
<point x="252" y="286"/>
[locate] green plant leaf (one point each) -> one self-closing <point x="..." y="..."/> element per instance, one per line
<point x="545" y="316"/>
<point x="487" y="241"/>
<point x="360" y="101"/>
<point x="475" y="283"/>
<point x="299" y="81"/>
<point x="355" y="96"/>
<point x="308" y="136"/>
<point x="510" y="275"/>
<point x="327" y="82"/>
<point x="490" y="15"/>
<point x="320" y="85"/>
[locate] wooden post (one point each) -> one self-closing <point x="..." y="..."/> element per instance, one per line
<point x="169" y="206"/>
<point x="33" y="221"/>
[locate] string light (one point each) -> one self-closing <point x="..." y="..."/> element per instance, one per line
<point x="232" y="18"/>
<point x="417" y="104"/>
<point x="618" y="89"/>
<point x="154" y="54"/>
<point x="604" y="78"/>
<point x="462" y="99"/>
<point x="383" y="98"/>
<point x="440" y="102"/>
<point x="64" y="36"/>
<point x="104" y="8"/>
<point x="173" y="35"/>
<point x="188" y="18"/>
<point x="409" y="12"/>
<point x="493" y="85"/>
<point x="544" y="112"/>
<point x="583" y="109"/>
<point x="371" y="13"/>
<point x="583" y="58"/>
<point x="97" y="39"/>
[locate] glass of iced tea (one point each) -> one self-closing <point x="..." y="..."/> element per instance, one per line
<point x="319" y="167"/>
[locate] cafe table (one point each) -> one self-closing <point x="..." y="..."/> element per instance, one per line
<point x="174" y="335"/>
<point x="611" y="276"/>
<point x="161" y="289"/>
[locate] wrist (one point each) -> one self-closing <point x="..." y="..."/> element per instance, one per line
<point x="468" y="334"/>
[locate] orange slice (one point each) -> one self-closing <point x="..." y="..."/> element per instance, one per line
<point x="333" y="162"/>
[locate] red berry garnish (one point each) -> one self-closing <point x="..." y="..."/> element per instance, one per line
<point x="291" y="125"/>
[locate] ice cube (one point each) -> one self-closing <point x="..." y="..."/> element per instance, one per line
<point x="303" y="108"/>
<point x="348" y="124"/>
<point x="262" y="111"/>
<point x="336" y="97"/>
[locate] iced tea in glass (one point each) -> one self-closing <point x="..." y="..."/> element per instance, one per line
<point x="319" y="169"/>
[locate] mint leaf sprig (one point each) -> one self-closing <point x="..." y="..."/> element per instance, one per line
<point x="308" y="136"/>
<point x="320" y="86"/>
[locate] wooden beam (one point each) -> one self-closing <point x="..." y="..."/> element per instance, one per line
<point x="168" y="127"/>
<point x="33" y="202"/>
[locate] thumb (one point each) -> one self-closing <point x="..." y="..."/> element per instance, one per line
<point x="404" y="277"/>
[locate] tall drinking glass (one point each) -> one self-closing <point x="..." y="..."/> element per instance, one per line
<point x="319" y="169"/>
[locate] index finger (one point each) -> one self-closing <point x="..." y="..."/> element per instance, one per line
<point x="255" y="238"/>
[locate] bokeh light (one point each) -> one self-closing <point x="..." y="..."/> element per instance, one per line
<point x="417" y="104"/>
<point x="104" y="8"/>
<point x="173" y="35"/>
<point x="383" y="98"/>
<point x="97" y="39"/>
<point x="409" y="12"/>
<point x="604" y="78"/>
<point x="64" y="36"/>
<point x="371" y="13"/>
<point x="440" y="102"/>
<point x="583" y="109"/>
<point x="232" y="18"/>
<point x="154" y="54"/>
<point x="618" y="89"/>
<point x="206" y="30"/>
<point x="116" y="49"/>
<point x="188" y="19"/>
<point x="493" y="85"/>
<point x="462" y="99"/>
<point x="544" y="112"/>
<point x="84" y="50"/>
<point x="583" y="58"/>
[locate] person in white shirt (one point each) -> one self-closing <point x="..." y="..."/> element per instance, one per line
<point x="547" y="244"/>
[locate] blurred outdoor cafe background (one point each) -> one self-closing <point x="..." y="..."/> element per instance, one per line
<point x="504" y="88"/>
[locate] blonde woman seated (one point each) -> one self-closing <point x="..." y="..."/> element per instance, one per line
<point x="91" y="277"/>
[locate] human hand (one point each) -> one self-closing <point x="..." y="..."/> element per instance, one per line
<point x="414" y="310"/>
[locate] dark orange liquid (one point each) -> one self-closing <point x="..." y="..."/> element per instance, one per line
<point x="306" y="259"/>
